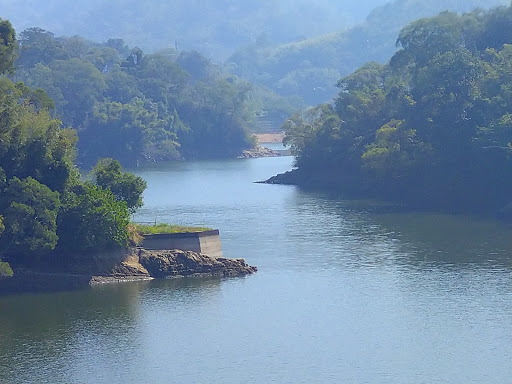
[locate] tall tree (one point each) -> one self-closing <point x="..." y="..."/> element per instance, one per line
<point x="7" y="47"/>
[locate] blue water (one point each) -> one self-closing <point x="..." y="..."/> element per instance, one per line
<point x="346" y="292"/>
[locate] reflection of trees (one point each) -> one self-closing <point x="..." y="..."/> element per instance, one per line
<point x="38" y="331"/>
<point x="361" y="233"/>
<point x="60" y="336"/>
<point x="450" y="240"/>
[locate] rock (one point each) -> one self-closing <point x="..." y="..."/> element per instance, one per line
<point x="178" y="263"/>
<point x="259" y="151"/>
<point x="287" y="178"/>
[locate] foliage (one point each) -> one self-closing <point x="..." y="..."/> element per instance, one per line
<point x="32" y="143"/>
<point x="431" y="128"/>
<point x="30" y="214"/>
<point x="92" y="219"/>
<point x="125" y="186"/>
<point x="44" y="207"/>
<point x="5" y="270"/>
<point x="310" y="67"/>
<point x="7" y="47"/>
<point x="135" y="107"/>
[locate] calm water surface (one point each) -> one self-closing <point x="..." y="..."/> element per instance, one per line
<point x="347" y="292"/>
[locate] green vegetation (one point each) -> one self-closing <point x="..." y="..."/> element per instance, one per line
<point x="5" y="270"/>
<point x="166" y="228"/>
<point x="45" y="209"/>
<point x="310" y="67"/>
<point x="136" y="107"/>
<point x="125" y="186"/>
<point x="432" y="128"/>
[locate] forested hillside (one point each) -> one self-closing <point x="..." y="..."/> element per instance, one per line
<point x="311" y="67"/>
<point x="213" y="27"/>
<point x="432" y="128"/>
<point x="134" y="106"/>
<point x="46" y="211"/>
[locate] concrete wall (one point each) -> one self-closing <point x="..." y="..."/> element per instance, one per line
<point x="207" y="242"/>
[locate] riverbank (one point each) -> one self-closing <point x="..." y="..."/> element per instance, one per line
<point x="269" y="138"/>
<point x="412" y="198"/>
<point x="132" y="264"/>
<point x="259" y="151"/>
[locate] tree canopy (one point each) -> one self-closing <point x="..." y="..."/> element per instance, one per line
<point x="45" y="208"/>
<point x="136" y="107"/>
<point x="431" y="128"/>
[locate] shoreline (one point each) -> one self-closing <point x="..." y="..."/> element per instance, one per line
<point x="130" y="265"/>
<point x="269" y="138"/>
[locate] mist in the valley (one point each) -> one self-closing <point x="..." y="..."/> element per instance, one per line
<point x="297" y="48"/>
<point x="214" y="27"/>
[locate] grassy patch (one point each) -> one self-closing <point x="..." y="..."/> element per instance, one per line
<point x="166" y="228"/>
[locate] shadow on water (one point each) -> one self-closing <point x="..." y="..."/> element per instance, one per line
<point x="51" y="330"/>
<point x="421" y="239"/>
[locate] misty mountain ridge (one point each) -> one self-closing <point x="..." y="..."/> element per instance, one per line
<point x="215" y="28"/>
<point x="312" y="67"/>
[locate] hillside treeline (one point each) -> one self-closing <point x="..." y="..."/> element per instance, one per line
<point x="133" y="106"/>
<point x="432" y="128"/>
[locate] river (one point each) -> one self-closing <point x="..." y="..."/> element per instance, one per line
<point x="346" y="292"/>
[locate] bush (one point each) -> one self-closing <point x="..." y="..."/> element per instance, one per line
<point x="92" y="219"/>
<point x="5" y="270"/>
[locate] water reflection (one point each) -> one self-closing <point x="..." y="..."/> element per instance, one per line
<point x="347" y="291"/>
<point x="373" y="233"/>
<point x="42" y="333"/>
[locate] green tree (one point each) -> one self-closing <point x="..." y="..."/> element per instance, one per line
<point x="433" y="127"/>
<point x="7" y="47"/>
<point x="39" y="46"/>
<point x="82" y="84"/>
<point x="91" y="219"/>
<point x="125" y="186"/>
<point x="30" y="213"/>
<point x="32" y="144"/>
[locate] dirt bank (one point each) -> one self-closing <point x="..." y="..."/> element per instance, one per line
<point x="270" y="137"/>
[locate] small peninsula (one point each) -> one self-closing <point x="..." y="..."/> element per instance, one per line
<point x="61" y="230"/>
<point x="133" y="263"/>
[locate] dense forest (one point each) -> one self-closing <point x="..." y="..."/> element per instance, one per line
<point x="134" y="106"/>
<point x="46" y="210"/>
<point x="432" y="128"/>
<point x="310" y="67"/>
<point x="213" y="27"/>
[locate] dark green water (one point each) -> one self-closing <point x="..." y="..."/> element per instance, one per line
<point x="347" y="292"/>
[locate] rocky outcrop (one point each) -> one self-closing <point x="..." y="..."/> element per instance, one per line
<point x="287" y="178"/>
<point x="122" y="266"/>
<point x="259" y="151"/>
<point x="178" y="263"/>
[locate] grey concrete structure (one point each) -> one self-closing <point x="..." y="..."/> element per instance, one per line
<point x="207" y="242"/>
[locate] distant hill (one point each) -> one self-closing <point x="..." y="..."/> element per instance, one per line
<point x="214" y="27"/>
<point x="310" y="68"/>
